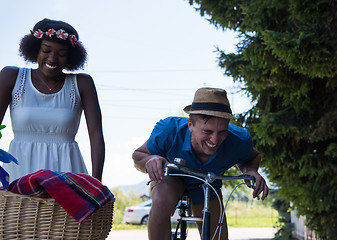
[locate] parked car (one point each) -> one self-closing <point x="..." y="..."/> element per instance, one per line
<point x="139" y="214"/>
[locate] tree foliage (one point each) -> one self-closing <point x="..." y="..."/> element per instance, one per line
<point x="286" y="60"/>
<point x="123" y="200"/>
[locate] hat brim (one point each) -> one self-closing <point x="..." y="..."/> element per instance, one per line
<point x="219" y="114"/>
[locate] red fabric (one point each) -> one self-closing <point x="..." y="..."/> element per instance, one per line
<point x="79" y="194"/>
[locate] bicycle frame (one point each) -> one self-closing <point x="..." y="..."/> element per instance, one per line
<point x="208" y="178"/>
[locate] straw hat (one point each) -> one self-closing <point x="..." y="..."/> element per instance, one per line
<point x="212" y="102"/>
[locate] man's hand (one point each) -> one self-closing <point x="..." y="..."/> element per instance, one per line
<point x="154" y="167"/>
<point x="251" y="168"/>
<point x="260" y="184"/>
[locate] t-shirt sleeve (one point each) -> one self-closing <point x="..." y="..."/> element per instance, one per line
<point x="160" y="139"/>
<point x="246" y="147"/>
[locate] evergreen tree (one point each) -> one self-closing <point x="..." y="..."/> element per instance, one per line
<point x="287" y="61"/>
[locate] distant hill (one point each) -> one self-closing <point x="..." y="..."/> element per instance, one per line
<point x="140" y="188"/>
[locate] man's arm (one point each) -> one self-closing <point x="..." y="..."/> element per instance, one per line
<point x="253" y="164"/>
<point x="145" y="162"/>
<point x="251" y="168"/>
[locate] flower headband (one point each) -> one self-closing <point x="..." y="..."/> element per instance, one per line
<point x="59" y="34"/>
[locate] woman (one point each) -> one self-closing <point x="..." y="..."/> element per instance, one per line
<point x="46" y="104"/>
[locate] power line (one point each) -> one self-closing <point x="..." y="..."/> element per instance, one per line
<point x="152" y="70"/>
<point x="155" y="90"/>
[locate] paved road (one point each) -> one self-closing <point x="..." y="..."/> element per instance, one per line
<point x="234" y="234"/>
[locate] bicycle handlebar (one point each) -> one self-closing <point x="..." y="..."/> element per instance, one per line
<point x="210" y="177"/>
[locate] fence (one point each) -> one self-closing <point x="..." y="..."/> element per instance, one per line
<point x="301" y="231"/>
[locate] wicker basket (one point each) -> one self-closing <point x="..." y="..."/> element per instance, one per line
<point x="23" y="217"/>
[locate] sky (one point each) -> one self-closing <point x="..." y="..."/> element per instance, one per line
<point x="147" y="58"/>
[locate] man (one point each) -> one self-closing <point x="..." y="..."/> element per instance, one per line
<point x="208" y="143"/>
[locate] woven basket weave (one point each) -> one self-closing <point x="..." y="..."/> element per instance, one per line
<point x="23" y="217"/>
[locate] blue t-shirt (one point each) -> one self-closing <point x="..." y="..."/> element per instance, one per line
<point x="171" y="138"/>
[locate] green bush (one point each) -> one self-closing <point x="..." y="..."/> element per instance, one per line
<point x="286" y="62"/>
<point x="122" y="201"/>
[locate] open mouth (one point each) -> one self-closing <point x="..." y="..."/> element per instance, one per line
<point x="50" y="66"/>
<point x="210" y="145"/>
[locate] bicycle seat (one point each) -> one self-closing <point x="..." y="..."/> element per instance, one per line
<point x="185" y="211"/>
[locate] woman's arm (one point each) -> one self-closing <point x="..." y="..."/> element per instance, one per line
<point x="93" y="117"/>
<point x="7" y="81"/>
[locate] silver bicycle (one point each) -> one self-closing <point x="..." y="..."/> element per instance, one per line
<point x="178" y="169"/>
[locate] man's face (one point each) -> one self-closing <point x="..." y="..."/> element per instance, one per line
<point x="207" y="137"/>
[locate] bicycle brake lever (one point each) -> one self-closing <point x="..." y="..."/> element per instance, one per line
<point x="179" y="161"/>
<point x="252" y="185"/>
<point x="168" y="166"/>
<point x="210" y="177"/>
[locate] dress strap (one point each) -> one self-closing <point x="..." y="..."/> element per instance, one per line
<point x="75" y="93"/>
<point x="19" y="87"/>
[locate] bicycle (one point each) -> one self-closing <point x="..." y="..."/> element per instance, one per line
<point x="177" y="169"/>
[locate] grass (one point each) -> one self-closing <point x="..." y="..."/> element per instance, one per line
<point x="121" y="226"/>
<point x="239" y="214"/>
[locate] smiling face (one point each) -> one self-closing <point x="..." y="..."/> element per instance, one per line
<point x="207" y="136"/>
<point x="52" y="58"/>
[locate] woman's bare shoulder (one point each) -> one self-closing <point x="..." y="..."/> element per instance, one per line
<point x="84" y="77"/>
<point x="84" y="81"/>
<point x="8" y="75"/>
<point x="10" y="70"/>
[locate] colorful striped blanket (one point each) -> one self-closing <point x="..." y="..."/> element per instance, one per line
<point x="79" y="194"/>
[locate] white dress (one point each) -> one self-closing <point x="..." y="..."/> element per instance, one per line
<point x="44" y="127"/>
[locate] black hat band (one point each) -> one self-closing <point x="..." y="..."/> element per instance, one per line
<point x="210" y="107"/>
